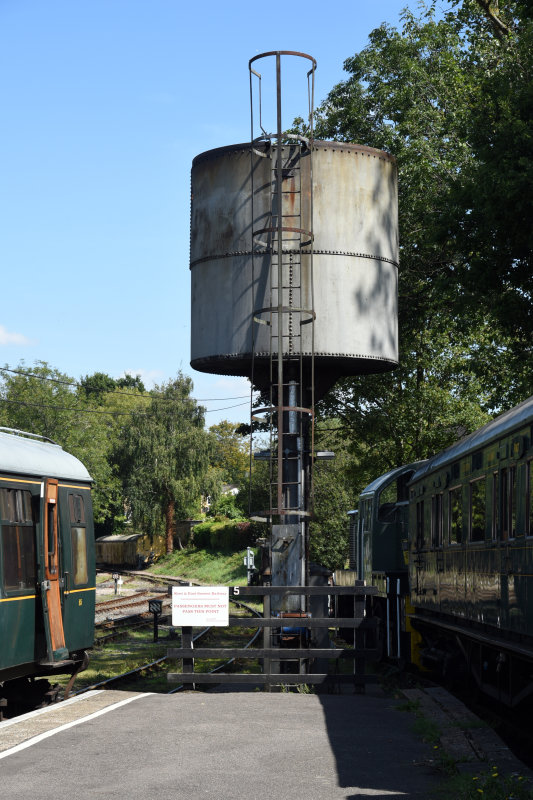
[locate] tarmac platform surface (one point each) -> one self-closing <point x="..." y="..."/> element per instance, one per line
<point x="225" y="746"/>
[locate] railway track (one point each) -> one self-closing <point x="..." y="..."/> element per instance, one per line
<point x="122" y="625"/>
<point x="132" y="674"/>
<point x="108" y="610"/>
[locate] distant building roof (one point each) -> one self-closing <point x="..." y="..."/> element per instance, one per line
<point x="230" y="488"/>
<point x="132" y="537"/>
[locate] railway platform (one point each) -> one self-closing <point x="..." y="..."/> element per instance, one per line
<point x="242" y="745"/>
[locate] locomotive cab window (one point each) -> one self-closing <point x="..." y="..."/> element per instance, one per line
<point x="18" y="540"/>
<point x="78" y="538"/>
<point x="396" y="492"/>
<point x="387" y="502"/>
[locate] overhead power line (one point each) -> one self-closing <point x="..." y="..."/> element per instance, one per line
<point x="138" y="395"/>
<point x="74" y="410"/>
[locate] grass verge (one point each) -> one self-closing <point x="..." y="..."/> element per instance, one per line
<point x="485" y="782"/>
<point x="214" y="567"/>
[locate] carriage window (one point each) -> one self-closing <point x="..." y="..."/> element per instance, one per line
<point x="77" y="509"/>
<point x="15" y="505"/>
<point x="436" y="520"/>
<point x="477" y="511"/>
<point x="477" y="460"/>
<point x="78" y="538"/>
<point x="505" y="505"/>
<point x="508" y="496"/>
<point x="79" y="555"/>
<point x="495" y="505"/>
<point x="18" y="553"/>
<point x="513" y="488"/>
<point x="455" y="515"/>
<point x="529" y="495"/>
<point x="18" y="540"/>
<point x="420" y="524"/>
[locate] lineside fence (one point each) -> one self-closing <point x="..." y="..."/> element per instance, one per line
<point x="285" y="664"/>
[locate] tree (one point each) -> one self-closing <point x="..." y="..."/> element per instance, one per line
<point x="452" y="102"/>
<point x="131" y="382"/>
<point x="163" y="458"/>
<point x="83" y="418"/>
<point x="106" y="413"/>
<point x="413" y="93"/>
<point x="230" y="452"/>
<point x="97" y="385"/>
<point x="423" y="94"/>
<point x="335" y="493"/>
<point x="494" y="201"/>
<point x="41" y="400"/>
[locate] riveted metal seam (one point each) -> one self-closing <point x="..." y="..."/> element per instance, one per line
<point x="287" y="251"/>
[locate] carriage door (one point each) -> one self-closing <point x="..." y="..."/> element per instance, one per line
<point x="53" y="616"/>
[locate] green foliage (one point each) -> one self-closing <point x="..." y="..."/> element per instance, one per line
<point x="131" y="382"/>
<point x="494" y="201"/>
<point x="224" y="535"/>
<point x="488" y="785"/>
<point x="44" y="401"/>
<point x="254" y="497"/>
<point x="162" y="457"/>
<point x="41" y="400"/>
<point x="334" y="495"/>
<point x="97" y="385"/>
<point x="226" y="506"/>
<point x="436" y="95"/>
<point x="230" y="452"/>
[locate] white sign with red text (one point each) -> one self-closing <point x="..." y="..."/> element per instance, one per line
<point x="200" y="605"/>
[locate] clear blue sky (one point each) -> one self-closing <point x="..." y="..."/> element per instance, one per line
<point x="103" y="106"/>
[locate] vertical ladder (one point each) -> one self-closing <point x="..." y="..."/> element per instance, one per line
<point x="291" y="378"/>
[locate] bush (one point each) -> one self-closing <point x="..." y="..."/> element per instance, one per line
<point x="224" y="535"/>
<point x="226" y="506"/>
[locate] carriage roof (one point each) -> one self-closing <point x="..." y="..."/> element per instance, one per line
<point x="24" y="454"/>
<point x="516" y="417"/>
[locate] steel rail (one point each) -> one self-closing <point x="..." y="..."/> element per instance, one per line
<point x="150" y="665"/>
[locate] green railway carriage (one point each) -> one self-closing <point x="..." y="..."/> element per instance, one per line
<point x="448" y="542"/>
<point x="471" y="555"/>
<point x="47" y="567"/>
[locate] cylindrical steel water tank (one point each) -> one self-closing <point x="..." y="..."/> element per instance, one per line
<point x="355" y="259"/>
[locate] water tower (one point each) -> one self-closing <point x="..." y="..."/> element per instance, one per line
<point x="294" y="261"/>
